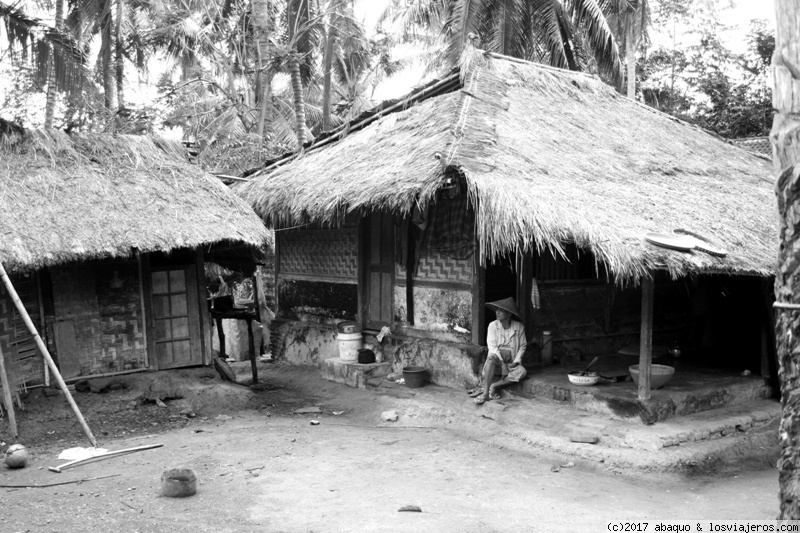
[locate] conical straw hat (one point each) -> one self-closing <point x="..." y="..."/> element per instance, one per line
<point x="506" y="304"/>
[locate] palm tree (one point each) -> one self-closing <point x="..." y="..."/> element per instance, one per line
<point x="262" y="28"/>
<point x="51" y="78"/>
<point x="538" y="30"/>
<point x="302" y="31"/>
<point x="630" y="20"/>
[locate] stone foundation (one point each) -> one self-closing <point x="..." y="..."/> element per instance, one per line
<point x="451" y="364"/>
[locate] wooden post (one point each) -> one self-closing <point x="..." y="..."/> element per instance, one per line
<point x="42" y="348"/>
<point x="252" y="343"/>
<point x="646" y="339"/>
<point x="221" y="335"/>
<point x="12" y="419"/>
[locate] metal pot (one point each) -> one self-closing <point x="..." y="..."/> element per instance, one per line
<point x="366" y="356"/>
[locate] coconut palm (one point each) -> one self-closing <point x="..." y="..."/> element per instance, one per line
<point x="51" y="78"/>
<point x="536" y="30"/>
<point x="630" y="20"/>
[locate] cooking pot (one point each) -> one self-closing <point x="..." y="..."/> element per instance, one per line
<point x="366" y="356"/>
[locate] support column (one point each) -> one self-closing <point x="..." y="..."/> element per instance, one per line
<point x="646" y="339"/>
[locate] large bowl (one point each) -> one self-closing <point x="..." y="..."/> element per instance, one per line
<point x="659" y="375"/>
<point x="585" y="380"/>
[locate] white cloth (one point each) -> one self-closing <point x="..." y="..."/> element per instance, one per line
<point x="512" y="339"/>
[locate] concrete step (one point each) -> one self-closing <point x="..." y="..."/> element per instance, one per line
<point x="742" y="434"/>
<point x="680" y="397"/>
<point x="729" y="421"/>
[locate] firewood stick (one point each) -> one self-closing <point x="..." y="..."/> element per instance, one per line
<point x="12" y="419"/>
<point x="78" y="462"/>
<point x="45" y="352"/>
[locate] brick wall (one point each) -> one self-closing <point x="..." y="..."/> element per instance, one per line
<point x="102" y="301"/>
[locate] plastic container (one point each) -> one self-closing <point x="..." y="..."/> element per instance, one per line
<point x="178" y="483"/>
<point x="584" y="380"/>
<point x="349" y="345"/>
<point x="414" y="376"/>
<point x="547" y="348"/>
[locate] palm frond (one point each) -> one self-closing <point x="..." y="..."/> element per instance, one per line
<point x="30" y="37"/>
<point x="588" y="15"/>
<point x="553" y="33"/>
<point x="462" y="26"/>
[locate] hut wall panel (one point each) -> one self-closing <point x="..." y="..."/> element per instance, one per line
<point x="330" y="254"/>
<point x="437" y="310"/>
<point x="13" y="333"/>
<point x="317" y="301"/>
<point x="442" y="295"/>
<point x="317" y="276"/>
<point x="107" y="319"/>
<point x="434" y="267"/>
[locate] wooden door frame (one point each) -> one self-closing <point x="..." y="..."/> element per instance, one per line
<point x="202" y="315"/>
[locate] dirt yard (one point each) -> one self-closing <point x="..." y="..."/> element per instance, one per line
<point x="261" y="466"/>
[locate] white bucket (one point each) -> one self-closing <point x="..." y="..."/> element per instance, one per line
<point x="349" y="345"/>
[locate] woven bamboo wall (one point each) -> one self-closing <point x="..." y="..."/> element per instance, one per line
<point x="107" y="320"/>
<point x="321" y="253"/>
<point x="434" y="266"/>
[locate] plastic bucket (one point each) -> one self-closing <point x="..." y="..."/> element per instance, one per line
<point x="349" y="345"/>
<point x="414" y="376"/>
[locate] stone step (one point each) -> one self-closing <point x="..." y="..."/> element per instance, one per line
<point x="620" y="400"/>
<point x="744" y="435"/>
<point x="353" y="374"/>
<point x="730" y="421"/>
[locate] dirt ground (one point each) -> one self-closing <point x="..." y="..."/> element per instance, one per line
<point x="263" y="467"/>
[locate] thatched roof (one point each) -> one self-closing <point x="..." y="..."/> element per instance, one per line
<point x="551" y="157"/>
<point x="66" y="198"/>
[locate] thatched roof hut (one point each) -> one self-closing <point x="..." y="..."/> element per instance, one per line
<point x="66" y="198"/>
<point x="549" y="157"/>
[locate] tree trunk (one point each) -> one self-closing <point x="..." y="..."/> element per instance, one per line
<point x="50" y="108"/>
<point x="327" y="62"/>
<point x="630" y="58"/>
<point x="107" y="46"/>
<point x="299" y="106"/>
<point x="261" y="27"/>
<point x="119" y="65"/>
<point x="785" y="137"/>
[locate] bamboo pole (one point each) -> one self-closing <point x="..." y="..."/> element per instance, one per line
<point x="12" y="419"/>
<point x="42" y="348"/>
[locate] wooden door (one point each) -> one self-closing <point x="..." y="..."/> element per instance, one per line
<point x="67" y="349"/>
<point x="379" y="271"/>
<point x="175" y="317"/>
